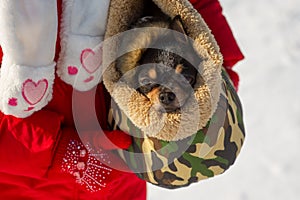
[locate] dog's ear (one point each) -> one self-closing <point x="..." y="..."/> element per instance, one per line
<point x="177" y="25"/>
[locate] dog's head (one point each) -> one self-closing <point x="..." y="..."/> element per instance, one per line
<point x="165" y="77"/>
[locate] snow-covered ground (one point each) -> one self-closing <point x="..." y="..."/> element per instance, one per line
<point x="268" y="168"/>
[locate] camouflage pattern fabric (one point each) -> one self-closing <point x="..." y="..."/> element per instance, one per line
<point x="209" y="152"/>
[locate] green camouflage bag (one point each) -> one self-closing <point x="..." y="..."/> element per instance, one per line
<point x="207" y="153"/>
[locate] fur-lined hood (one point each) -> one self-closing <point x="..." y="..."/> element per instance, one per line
<point x="196" y="113"/>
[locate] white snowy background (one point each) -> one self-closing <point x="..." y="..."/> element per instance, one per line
<point x="268" y="168"/>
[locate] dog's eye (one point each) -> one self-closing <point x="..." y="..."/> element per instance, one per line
<point x="144" y="89"/>
<point x="186" y="80"/>
<point x="145" y="81"/>
<point x="190" y="79"/>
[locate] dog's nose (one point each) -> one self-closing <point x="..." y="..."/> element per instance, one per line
<point x="167" y="97"/>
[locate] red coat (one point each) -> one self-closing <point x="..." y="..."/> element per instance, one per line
<point x="34" y="151"/>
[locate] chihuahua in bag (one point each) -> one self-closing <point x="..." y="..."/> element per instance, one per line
<point x="165" y="75"/>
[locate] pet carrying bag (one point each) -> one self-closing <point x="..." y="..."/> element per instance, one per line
<point x="201" y="140"/>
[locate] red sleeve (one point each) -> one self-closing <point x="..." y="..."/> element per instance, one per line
<point x="211" y="11"/>
<point x="27" y="145"/>
<point x="1" y="54"/>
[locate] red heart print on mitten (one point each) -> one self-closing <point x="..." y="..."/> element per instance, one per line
<point x="33" y="92"/>
<point x="91" y="60"/>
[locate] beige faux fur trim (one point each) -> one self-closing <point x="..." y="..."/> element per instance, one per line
<point x="198" y="110"/>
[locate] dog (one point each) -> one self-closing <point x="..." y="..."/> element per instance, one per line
<point x="163" y="76"/>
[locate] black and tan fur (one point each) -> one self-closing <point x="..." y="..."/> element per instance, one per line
<point x="164" y="73"/>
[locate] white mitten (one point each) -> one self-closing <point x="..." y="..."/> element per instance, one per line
<point x="83" y="28"/>
<point x="27" y="37"/>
